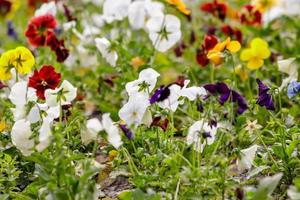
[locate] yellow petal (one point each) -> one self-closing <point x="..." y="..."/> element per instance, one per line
<point x="246" y="55"/>
<point x="215" y="57"/>
<point x="255" y="63"/>
<point x="27" y="60"/>
<point x="258" y="42"/>
<point x="233" y="46"/>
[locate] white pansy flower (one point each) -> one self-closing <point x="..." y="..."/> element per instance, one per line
<point x="115" y="10"/>
<point x="46" y="8"/>
<point x="63" y="95"/>
<point x="20" y="95"/>
<point x="103" y="45"/>
<point x="282" y="7"/>
<point x="247" y="158"/>
<point x="45" y="134"/>
<point x="164" y="31"/>
<point x="289" y="67"/>
<point x="147" y="76"/>
<point x="140" y="11"/>
<point x="113" y="134"/>
<point x="133" y="111"/>
<point x="20" y="136"/>
<point x="93" y="126"/>
<point x="172" y="102"/>
<point x="192" y="92"/>
<point x="201" y="134"/>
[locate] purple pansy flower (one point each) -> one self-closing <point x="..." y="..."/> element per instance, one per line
<point x="160" y="94"/>
<point x="293" y="89"/>
<point x="264" y="98"/>
<point x="128" y="133"/>
<point x="226" y="93"/>
<point x="11" y="31"/>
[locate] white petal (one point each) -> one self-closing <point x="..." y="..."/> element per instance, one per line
<point x="247" y="158"/>
<point x="20" y="134"/>
<point x="112" y="131"/>
<point x="94" y="126"/>
<point x="45" y="134"/>
<point x="137" y="14"/>
<point x="46" y="8"/>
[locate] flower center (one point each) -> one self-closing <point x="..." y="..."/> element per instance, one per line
<point x="44" y="83"/>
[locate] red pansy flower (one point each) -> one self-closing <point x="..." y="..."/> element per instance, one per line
<point x="210" y="42"/>
<point x="250" y="15"/>
<point x="58" y="47"/>
<point x="44" y="79"/>
<point x="216" y="8"/>
<point x="232" y="32"/>
<point x="39" y="29"/>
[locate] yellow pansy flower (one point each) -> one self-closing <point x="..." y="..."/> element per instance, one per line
<point x="216" y="55"/>
<point x="180" y="6"/>
<point x="256" y="53"/>
<point x="8" y="8"/>
<point x="239" y="70"/>
<point x="136" y="62"/>
<point x="264" y="5"/>
<point x="6" y="64"/>
<point x="24" y="60"/>
<point x="2" y="126"/>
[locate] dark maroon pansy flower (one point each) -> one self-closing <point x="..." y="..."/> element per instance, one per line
<point x="218" y="9"/>
<point x="44" y="79"/>
<point x="58" y="47"/>
<point x="5" y="7"/>
<point x="180" y="49"/>
<point x="201" y="57"/>
<point x="2" y="85"/>
<point x="264" y="99"/>
<point x="210" y="42"/>
<point x="159" y="122"/>
<point x="128" y="133"/>
<point x="234" y="33"/>
<point x="250" y="16"/>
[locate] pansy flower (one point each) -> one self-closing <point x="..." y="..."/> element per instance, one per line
<point x="8" y="8"/>
<point x="58" y="47"/>
<point x="164" y="31"/>
<point x="293" y="89"/>
<point x="232" y="32"/>
<point x="218" y="9"/>
<point x="180" y="6"/>
<point x="20" y="58"/>
<point x="210" y="42"/>
<point x="226" y="93"/>
<point x="216" y="55"/>
<point x="39" y="28"/>
<point x="256" y="53"/>
<point x="63" y="95"/>
<point x="250" y="15"/>
<point x="128" y="133"/>
<point x="264" y="5"/>
<point x="201" y="134"/>
<point x="159" y="122"/>
<point x="264" y="98"/>
<point x="105" y="48"/>
<point x="45" y="78"/>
